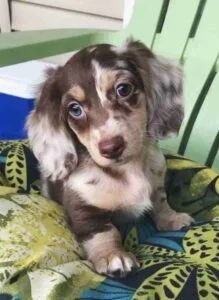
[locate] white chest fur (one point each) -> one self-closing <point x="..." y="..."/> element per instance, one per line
<point x="130" y="194"/>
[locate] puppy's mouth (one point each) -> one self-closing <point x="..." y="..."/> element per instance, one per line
<point x="103" y="161"/>
<point x="114" y="162"/>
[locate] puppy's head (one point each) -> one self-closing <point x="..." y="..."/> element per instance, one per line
<point x="109" y="99"/>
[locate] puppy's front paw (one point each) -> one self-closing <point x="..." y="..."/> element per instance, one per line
<point x="119" y="264"/>
<point x="174" y="221"/>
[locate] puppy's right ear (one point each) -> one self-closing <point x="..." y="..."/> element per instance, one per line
<point x="163" y="80"/>
<point x="51" y="143"/>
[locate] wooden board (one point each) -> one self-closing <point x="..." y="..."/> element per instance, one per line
<point x="175" y="31"/>
<point x="28" y="16"/>
<point x="200" y="60"/>
<point x="112" y="8"/>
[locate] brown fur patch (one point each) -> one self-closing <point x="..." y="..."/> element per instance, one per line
<point x="55" y="190"/>
<point x="102" y="244"/>
<point x="107" y="80"/>
<point x="70" y="162"/>
<point x="77" y="92"/>
<point x="112" y="172"/>
<point x="85" y="220"/>
<point x="93" y="181"/>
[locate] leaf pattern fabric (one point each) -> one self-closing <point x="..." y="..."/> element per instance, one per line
<point x="192" y="188"/>
<point x="40" y="258"/>
<point x="18" y="167"/>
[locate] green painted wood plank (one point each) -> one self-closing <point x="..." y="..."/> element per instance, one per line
<point x="206" y="126"/>
<point x="195" y="111"/>
<point x="142" y="25"/>
<point x="22" y="46"/>
<point x="216" y="162"/>
<point x="213" y="155"/>
<point x="144" y="20"/>
<point x="178" y="22"/>
<point x="206" y="42"/>
<point x="209" y="21"/>
<point x="201" y="55"/>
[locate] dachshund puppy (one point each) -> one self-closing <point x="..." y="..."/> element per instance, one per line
<point x="94" y="131"/>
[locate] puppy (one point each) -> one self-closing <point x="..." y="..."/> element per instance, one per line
<point x="94" y="131"/>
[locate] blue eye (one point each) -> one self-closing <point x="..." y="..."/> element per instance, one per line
<point x="124" y="90"/>
<point x="76" y="110"/>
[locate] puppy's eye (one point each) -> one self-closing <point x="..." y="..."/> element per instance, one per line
<point x="124" y="89"/>
<point x="76" y="110"/>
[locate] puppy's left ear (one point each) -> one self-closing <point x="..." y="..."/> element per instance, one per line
<point x="49" y="138"/>
<point x="163" y="83"/>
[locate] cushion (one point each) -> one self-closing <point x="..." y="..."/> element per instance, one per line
<point x="40" y="258"/>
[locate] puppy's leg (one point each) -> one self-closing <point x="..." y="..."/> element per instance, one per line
<point x="100" y="239"/>
<point x="105" y="251"/>
<point x="165" y="217"/>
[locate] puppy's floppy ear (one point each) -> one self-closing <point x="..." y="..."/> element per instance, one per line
<point x="51" y="143"/>
<point x="164" y="79"/>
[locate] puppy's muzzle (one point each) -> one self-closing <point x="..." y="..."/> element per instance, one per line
<point x="112" y="148"/>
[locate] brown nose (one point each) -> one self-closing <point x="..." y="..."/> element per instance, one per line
<point x="112" y="148"/>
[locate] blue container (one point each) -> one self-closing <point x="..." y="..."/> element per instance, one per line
<point x="18" y="88"/>
<point x="13" y="113"/>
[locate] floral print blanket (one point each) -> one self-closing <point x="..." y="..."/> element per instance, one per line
<point x="40" y="259"/>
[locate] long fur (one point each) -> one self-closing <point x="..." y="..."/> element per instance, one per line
<point x="104" y="165"/>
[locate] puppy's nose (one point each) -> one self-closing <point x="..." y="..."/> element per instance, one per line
<point x="112" y="148"/>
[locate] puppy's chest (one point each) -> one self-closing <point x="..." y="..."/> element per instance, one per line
<point x="130" y="193"/>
